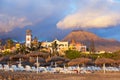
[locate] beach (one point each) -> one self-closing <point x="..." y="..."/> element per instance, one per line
<point x="8" y="75"/>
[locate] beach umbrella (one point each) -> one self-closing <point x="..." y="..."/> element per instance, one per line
<point x="58" y="60"/>
<point x="18" y="56"/>
<point x="39" y="54"/>
<point x="5" y="60"/>
<point x="40" y="60"/>
<point x="79" y="61"/>
<point x="104" y="61"/>
<point x="117" y="62"/>
<point x="24" y="63"/>
<point x="32" y="55"/>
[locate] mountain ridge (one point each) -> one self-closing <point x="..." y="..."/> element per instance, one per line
<point x="100" y="43"/>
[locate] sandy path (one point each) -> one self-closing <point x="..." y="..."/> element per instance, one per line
<point x="50" y="76"/>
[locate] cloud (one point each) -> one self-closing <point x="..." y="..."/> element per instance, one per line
<point x="94" y="14"/>
<point x="19" y="13"/>
<point x="7" y="23"/>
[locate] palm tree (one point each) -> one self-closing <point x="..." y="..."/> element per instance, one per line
<point x="92" y="47"/>
<point x="22" y="49"/>
<point x="39" y="45"/>
<point x="9" y="44"/>
<point x="36" y="45"/>
<point x="54" y="48"/>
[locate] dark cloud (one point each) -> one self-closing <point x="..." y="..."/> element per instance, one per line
<point x="21" y="13"/>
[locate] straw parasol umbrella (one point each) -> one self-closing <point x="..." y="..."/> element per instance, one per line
<point x="79" y="61"/>
<point x="104" y="61"/>
<point x="18" y="56"/>
<point x="5" y="59"/>
<point x="58" y="60"/>
<point x="41" y="61"/>
<point x="24" y="63"/>
<point x="117" y="62"/>
<point x="38" y="54"/>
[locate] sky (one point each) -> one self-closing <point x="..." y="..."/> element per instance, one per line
<point x="50" y="19"/>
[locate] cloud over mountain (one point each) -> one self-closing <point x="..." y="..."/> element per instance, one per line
<point x="93" y="14"/>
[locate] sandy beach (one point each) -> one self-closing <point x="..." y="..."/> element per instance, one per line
<point x="7" y="75"/>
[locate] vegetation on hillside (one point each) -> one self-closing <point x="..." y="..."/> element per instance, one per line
<point x="76" y="54"/>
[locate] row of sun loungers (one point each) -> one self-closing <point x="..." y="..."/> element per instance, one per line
<point x="71" y="69"/>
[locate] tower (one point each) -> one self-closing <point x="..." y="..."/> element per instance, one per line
<point x="28" y="38"/>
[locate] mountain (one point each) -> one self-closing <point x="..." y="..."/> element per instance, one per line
<point x="88" y="38"/>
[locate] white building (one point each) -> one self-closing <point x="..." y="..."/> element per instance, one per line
<point x="28" y="38"/>
<point x="61" y="46"/>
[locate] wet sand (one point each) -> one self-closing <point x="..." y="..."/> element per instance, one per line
<point x="8" y="75"/>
